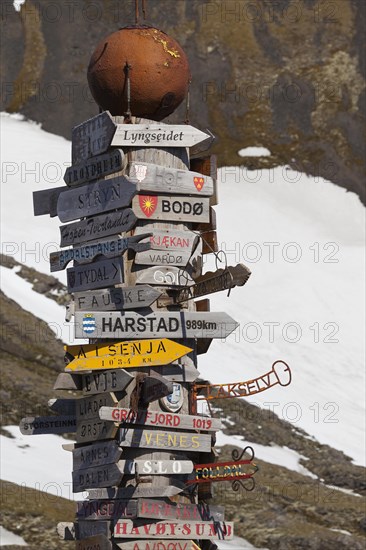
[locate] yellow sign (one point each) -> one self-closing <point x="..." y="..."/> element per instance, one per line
<point x="125" y="355"/>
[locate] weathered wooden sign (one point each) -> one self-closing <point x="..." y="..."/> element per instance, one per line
<point x="97" y="382"/>
<point x="96" y="275"/>
<point x="153" y="325"/>
<point x="165" y="258"/>
<point x="94" y="430"/>
<point x="125" y="355"/>
<point x="114" y="299"/>
<point x="92" y="137"/>
<point x="95" y="454"/>
<point x="222" y="279"/>
<point x="36" y="425"/>
<point x="83" y="529"/>
<point x="159" y="544"/>
<point x="280" y="374"/>
<point x="173" y="208"/>
<point x="152" y="178"/>
<point x="171" y="530"/>
<point x="203" y="146"/>
<point x="222" y="471"/>
<point x="157" y="509"/>
<point x="97" y="227"/>
<point x="88" y="252"/>
<point x="140" y="491"/>
<point x="170" y="238"/>
<point x="156" y="439"/>
<point x="107" y="509"/>
<point x="157" y="135"/>
<point x="111" y="475"/>
<point x="164" y="276"/>
<point x="45" y="201"/>
<point x="94" y="198"/>
<point x="178" y="372"/>
<point x="88" y="407"/>
<point x="160" y="419"/>
<point x="66" y="407"/>
<point x="97" y="542"/>
<point x="95" y="167"/>
<point x="155" y="387"/>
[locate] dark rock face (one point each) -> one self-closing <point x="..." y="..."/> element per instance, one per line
<point x="286" y="75"/>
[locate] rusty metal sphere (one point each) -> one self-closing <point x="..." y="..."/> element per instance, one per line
<point x="159" y="74"/>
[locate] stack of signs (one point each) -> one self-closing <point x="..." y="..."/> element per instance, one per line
<point x="136" y="237"/>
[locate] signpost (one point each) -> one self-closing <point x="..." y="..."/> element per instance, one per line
<point x="280" y="374"/>
<point x="95" y="167"/>
<point x="172" y="208"/>
<point x="94" y="198"/>
<point x="160" y="419"/>
<point x="152" y="178"/>
<point x="92" y="137"/>
<point x="125" y="355"/>
<point x="96" y="227"/>
<point x="87" y="253"/>
<point x="157" y="135"/>
<point x="114" y="299"/>
<point x="153" y="325"/>
<point x="96" y="275"/>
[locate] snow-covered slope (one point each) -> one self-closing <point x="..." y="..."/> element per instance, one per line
<point x="303" y="240"/>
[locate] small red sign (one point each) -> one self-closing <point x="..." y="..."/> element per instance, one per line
<point x="148" y="204"/>
<point x="198" y="182"/>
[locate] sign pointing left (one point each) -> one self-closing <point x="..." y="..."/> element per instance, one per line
<point x="138" y="353"/>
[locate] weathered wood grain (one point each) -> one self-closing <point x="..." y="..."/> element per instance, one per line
<point x="156" y="439"/>
<point x="94" y="167"/>
<point x="92" y="137"/>
<point x="114" y="299"/>
<point x="96" y="275"/>
<point x="36" y="425"/>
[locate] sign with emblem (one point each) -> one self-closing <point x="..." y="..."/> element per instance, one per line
<point x="172" y="530"/>
<point x="114" y="299"/>
<point x="37" y="425"/>
<point x="157" y="135"/>
<point x="152" y="178"/>
<point x="95" y="167"/>
<point x="280" y="374"/>
<point x="96" y="275"/>
<point x="88" y="252"/>
<point x="116" y="324"/>
<point x="174" y="401"/>
<point x="138" y="353"/>
<point x="92" y="137"/>
<point x="160" y="419"/>
<point x="168" y="439"/>
<point x="172" y="208"/>
<point x="96" y="227"/>
<point x="95" y="198"/>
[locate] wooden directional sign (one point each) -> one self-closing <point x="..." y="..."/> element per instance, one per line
<point x="152" y="178"/>
<point x="169" y="239"/>
<point x="97" y="542"/>
<point x="178" y="372"/>
<point x="97" y="382"/>
<point x="96" y="454"/>
<point x="45" y="201"/>
<point x="66" y="407"/>
<point x="156" y="439"/>
<point x="111" y="475"/>
<point x="171" y="530"/>
<point x="280" y="374"/>
<point x="94" y="198"/>
<point x="83" y="529"/>
<point x="172" y="208"/>
<point x="114" y="299"/>
<point x="97" y="227"/>
<point x="161" y="544"/>
<point x="96" y="275"/>
<point x="88" y="407"/>
<point x="94" y="430"/>
<point x="157" y="135"/>
<point x="47" y="425"/>
<point x="107" y="509"/>
<point x="88" y="252"/>
<point x="153" y="325"/>
<point x="125" y="355"/>
<point x="140" y="491"/>
<point x="92" y="137"/>
<point x="94" y="168"/>
<point x="155" y="387"/>
<point x="164" y="258"/>
<point x="164" y="276"/>
<point x="160" y="419"/>
<point x="222" y="471"/>
<point x="223" y="279"/>
<point x="158" y="509"/>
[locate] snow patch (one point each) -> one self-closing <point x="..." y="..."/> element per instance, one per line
<point x="18" y="4"/>
<point x="7" y="538"/>
<point x="254" y="152"/>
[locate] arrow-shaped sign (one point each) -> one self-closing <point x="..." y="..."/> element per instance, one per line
<point x="108" y="248"/>
<point x="280" y="374"/>
<point x="95" y="275"/>
<point x="158" y="135"/>
<point x="94" y="168"/>
<point x="140" y="353"/>
<point x="92" y="137"/>
<point x="112" y="299"/>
